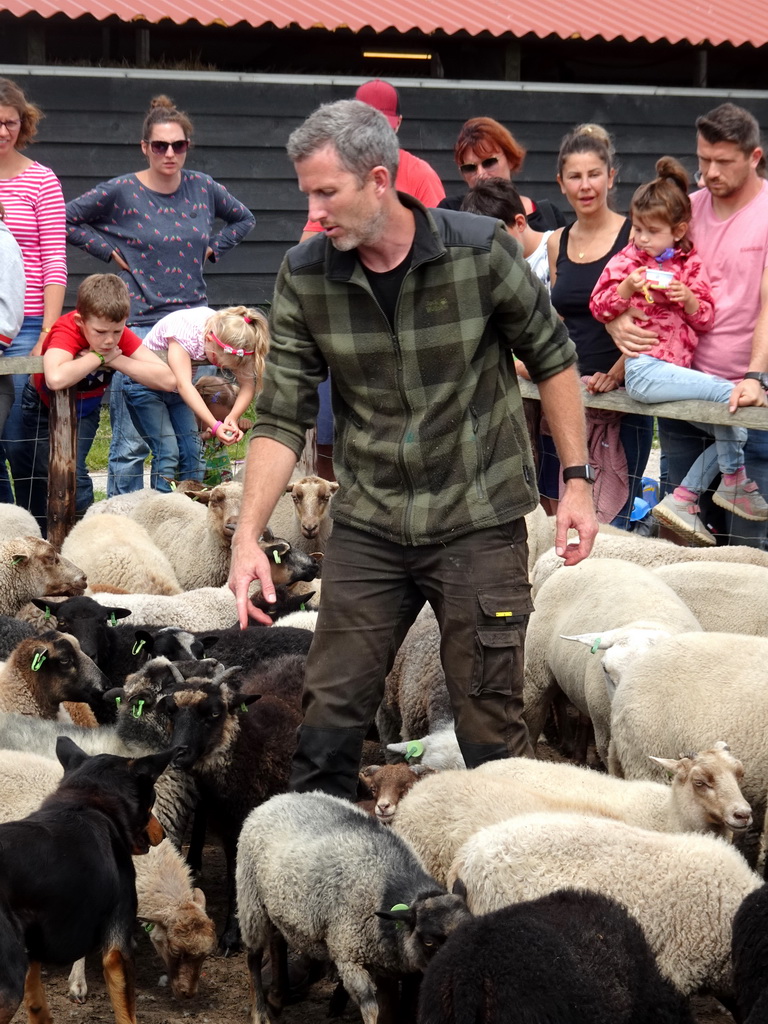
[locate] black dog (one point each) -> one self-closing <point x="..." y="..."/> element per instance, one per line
<point x="67" y="882"/>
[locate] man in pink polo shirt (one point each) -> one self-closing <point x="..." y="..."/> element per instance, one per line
<point x="730" y="231"/>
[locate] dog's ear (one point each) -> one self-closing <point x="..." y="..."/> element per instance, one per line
<point x="69" y="754"/>
<point x="153" y="765"/>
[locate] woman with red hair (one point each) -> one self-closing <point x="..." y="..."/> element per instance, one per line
<point x="486" y="149"/>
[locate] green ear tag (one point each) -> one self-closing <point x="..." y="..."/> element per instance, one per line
<point x="37" y="660"/>
<point x="113" y="619"/>
<point x="137" y="709"/>
<point x="400" y="906"/>
<point x="172" y="482"/>
<point x="118" y="701"/>
<point x="302" y="607"/>
<point x="244" y="708"/>
<point x="149" y="927"/>
<point x="596" y="646"/>
<point x="17" y="559"/>
<point x="47" y="613"/>
<point x="276" y="556"/>
<point x="414" y="749"/>
<point x="136" y="649"/>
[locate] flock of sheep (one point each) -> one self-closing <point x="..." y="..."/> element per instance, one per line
<point x="524" y="891"/>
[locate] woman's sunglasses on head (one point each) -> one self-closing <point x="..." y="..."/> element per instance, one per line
<point x="159" y="148"/>
<point x="486" y="164"/>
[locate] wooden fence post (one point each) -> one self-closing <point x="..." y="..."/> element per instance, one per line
<point x="62" y="466"/>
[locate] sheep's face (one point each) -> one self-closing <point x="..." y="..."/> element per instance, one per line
<point x="42" y="568"/>
<point x="61" y="670"/>
<point x="707" y="790"/>
<point x="183" y="943"/>
<point x="287" y="564"/>
<point x="311" y="500"/>
<point x="388" y="784"/>
<point x="204" y="720"/>
<point x="427" y="923"/>
<point x="223" y="508"/>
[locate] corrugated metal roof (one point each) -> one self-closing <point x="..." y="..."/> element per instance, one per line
<point x="694" y="21"/>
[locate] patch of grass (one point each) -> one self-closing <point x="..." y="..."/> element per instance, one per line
<point x="99" y="453"/>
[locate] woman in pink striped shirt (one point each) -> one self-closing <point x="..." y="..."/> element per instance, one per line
<point x="35" y="213"/>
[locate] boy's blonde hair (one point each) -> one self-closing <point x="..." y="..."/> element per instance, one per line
<point x="103" y="295"/>
<point x="247" y="332"/>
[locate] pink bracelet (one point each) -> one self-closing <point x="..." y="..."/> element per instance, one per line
<point x="215" y="427"/>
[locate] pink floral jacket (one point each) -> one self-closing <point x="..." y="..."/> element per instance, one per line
<point x="676" y="329"/>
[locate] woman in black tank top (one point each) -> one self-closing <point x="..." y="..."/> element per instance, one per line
<point x="577" y="256"/>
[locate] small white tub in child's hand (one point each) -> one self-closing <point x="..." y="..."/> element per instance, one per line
<point x="659" y="278"/>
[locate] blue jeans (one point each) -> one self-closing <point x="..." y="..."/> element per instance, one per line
<point x="685" y="443"/>
<point x="31" y="482"/>
<point x="13" y="433"/>
<point x="127" y="450"/>
<point x="654" y="380"/>
<point x="167" y="424"/>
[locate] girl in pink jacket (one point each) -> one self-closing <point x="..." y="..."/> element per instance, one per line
<point x="660" y="273"/>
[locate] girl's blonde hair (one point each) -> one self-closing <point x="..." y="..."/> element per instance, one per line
<point x="666" y="197"/>
<point x="247" y="332"/>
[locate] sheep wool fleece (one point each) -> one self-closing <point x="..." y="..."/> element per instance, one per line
<point x="434" y="468"/>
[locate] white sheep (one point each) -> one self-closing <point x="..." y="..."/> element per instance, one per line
<point x="120" y="504"/>
<point x="438" y="750"/>
<point x="606" y="596"/>
<point x="16" y="521"/>
<point x="302" y="514"/>
<point x="117" y="551"/>
<point x="31" y="567"/>
<point x="683" y="890"/>
<point x="648" y="552"/>
<point x="444" y="810"/>
<point x="195" y="533"/>
<point x="416" y="705"/>
<point x="208" y="608"/>
<point x="722" y="595"/>
<point x="325" y="874"/>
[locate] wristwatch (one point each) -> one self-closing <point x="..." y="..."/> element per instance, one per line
<point x="762" y="377"/>
<point x="579" y="473"/>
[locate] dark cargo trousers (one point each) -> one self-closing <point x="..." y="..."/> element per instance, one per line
<point x="372" y="592"/>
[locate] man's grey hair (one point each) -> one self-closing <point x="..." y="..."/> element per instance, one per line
<point x="361" y="136"/>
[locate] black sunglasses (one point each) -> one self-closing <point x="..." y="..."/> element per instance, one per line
<point x="159" y="148"/>
<point x="486" y="164"/>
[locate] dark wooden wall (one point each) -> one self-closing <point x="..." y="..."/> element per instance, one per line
<point x="93" y="125"/>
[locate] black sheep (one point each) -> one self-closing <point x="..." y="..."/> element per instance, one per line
<point x="239" y="755"/>
<point x="117" y="650"/>
<point x="571" y="957"/>
<point x="750" y="957"/>
<point x="255" y="645"/>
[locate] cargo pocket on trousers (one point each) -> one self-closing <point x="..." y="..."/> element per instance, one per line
<point x="498" y="666"/>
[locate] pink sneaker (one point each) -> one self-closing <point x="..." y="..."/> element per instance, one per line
<point x="743" y="500"/>
<point x="683" y="518"/>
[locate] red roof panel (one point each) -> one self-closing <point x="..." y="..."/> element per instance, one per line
<point x="694" y="21"/>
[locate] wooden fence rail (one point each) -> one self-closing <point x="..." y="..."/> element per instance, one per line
<point x="62" y="466"/>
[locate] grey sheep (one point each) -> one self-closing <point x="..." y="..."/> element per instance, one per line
<point x="339" y="886"/>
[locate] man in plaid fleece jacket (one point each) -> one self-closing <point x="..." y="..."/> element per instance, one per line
<point x="417" y="314"/>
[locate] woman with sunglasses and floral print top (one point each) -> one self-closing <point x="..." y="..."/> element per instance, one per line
<point x="159" y="226"/>
<point x="234" y="339"/>
<point x="486" y="149"/>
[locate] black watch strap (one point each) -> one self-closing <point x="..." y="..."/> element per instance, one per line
<point x="585" y="472"/>
<point x="755" y="375"/>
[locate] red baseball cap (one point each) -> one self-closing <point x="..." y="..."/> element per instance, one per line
<point x="382" y="96"/>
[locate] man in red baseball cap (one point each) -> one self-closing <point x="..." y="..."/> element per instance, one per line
<point x="414" y="176"/>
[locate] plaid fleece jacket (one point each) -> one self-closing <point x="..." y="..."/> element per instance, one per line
<point x="430" y="438"/>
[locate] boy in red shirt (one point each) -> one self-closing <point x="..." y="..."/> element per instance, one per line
<point x="82" y="350"/>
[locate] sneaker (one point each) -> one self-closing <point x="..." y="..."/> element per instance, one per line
<point x="743" y="500"/>
<point x="683" y="518"/>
